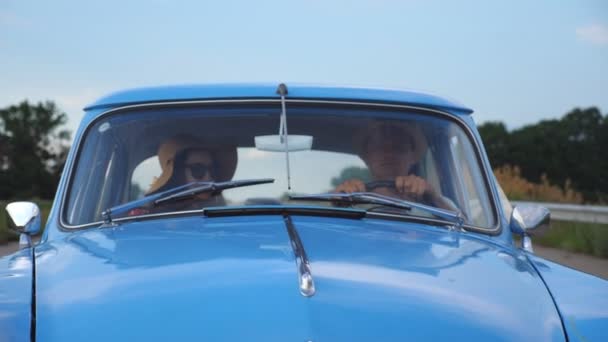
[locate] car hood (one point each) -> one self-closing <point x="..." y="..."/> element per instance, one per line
<point x="235" y="278"/>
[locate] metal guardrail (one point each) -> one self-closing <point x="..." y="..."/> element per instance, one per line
<point x="573" y="212"/>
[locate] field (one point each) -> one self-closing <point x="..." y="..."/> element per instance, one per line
<point x="588" y="238"/>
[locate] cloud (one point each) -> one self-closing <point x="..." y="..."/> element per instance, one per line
<point x="77" y="100"/>
<point x="596" y="34"/>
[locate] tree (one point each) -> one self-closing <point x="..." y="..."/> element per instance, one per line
<point x="33" y="147"/>
<point x="496" y="141"/>
<point x="572" y="149"/>
<point x="350" y="173"/>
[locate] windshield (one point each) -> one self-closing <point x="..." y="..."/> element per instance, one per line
<point x="333" y="148"/>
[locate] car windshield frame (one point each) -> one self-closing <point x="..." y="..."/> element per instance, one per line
<point x="494" y="228"/>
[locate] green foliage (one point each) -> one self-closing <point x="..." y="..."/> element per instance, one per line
<point x="33" y="148"/>
<point x="573" y="148"/>
<point x="496" y="140"/>
<point x="6" y="234"/>
<point x="136" y="191"/>
<point x="351" y="172"/>
<point x="588" y="238"/>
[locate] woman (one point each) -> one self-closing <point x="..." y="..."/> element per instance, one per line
<point x="184" y="160"/>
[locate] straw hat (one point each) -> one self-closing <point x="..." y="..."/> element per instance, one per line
<point x="224" y="157"/>
<point x="387" y="130"/>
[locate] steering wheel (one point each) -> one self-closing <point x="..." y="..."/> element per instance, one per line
<point x="383" y="183"/>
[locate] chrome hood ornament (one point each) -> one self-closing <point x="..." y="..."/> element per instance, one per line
<point x="307" y="284"/>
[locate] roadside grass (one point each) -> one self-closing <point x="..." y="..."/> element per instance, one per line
<point x="588" y="238"/>
<point x="7" y="235"/>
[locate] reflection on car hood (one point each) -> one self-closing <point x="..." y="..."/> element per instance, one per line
<point x="234" y="278"/>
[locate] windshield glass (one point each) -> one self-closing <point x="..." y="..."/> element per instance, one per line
<point x="404" y="154"/>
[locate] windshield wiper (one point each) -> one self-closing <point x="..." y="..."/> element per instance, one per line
<point x="212" y="187"/>
<point x="354" y="198"/>
<point x="372" y="198"/>
<point x="179" y="193"/>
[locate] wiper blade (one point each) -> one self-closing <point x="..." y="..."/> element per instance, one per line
<point x="178" y="193"/>
<point x="284" y="210"/>
<point x="372" y="198"/>
<point x="212" y="187"/>
<point x="354" y="198"/>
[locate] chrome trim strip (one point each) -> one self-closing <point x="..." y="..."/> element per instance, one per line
<point x="370" y="214"/>
<point x="413" y="218"/>
<point x="307" y="284"/>
<point x="493" y="198"/>
<point x="135" y="218"/>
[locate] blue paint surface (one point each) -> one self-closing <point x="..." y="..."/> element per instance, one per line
<point x="582" y="300"/>
<point x="234" y="278"/>
<point x="235" y="91"/>
<point x="16" y="295"/>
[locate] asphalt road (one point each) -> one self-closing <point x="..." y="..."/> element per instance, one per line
<point x="585" y="263"/>
<point x="8" y="248"/>
<point x="582" y="262"/>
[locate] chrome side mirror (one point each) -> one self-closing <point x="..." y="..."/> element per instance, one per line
<point x="24" y="218"/>
<point x="527" y="220"/>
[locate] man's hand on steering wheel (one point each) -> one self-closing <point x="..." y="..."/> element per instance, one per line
<point x="351" y="185"/>
<point x="412" y="186"/>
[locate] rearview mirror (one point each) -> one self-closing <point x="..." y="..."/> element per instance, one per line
<point x="24" y="218"/>
<point x="278" y="143"/>
<point x="529" y="220"/>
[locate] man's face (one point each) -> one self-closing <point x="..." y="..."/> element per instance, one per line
<point x="389" y="152"/>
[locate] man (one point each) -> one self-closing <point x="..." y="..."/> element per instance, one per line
<point x="390" y="149"/>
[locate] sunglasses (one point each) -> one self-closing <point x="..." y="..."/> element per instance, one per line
<point x="199" y="170"/>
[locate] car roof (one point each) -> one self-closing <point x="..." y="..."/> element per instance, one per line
<point x="268" y="90"/>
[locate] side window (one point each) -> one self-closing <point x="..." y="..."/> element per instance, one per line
<point x="143" y="175"/>
<point x="470" y="179"/>
<point x="428" y="170"/>
<point x="504" y="201"/>
<point x="93" y="179"/>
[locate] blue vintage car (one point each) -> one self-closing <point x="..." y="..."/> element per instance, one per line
<point x="275" y="212"/>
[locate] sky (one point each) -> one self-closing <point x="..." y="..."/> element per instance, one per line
<point x="514" y="61"/>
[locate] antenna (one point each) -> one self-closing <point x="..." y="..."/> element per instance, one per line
<point x="284" y="136"/>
